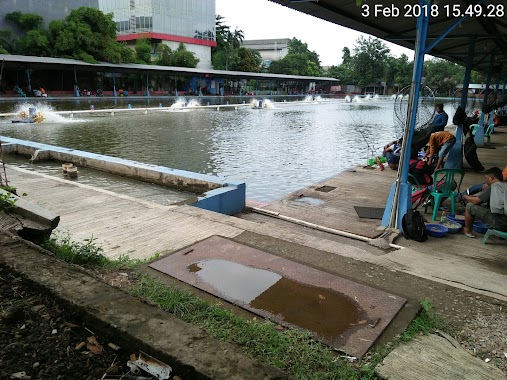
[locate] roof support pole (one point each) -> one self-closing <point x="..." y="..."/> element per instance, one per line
<point x="147" y="93"/>
<point x="29" y="81"/>
<point x="175" y="87"/>
<point x="503" y="88"/>
<point x="455" y="157"/>
<point x="400" y="197"/>
<point x="114" y="84"/>
<point x="479" y="131"/>
<point x="492" y="113"/>
<point x="76" y="87"/>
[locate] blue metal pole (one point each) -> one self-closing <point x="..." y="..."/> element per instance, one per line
<point x="455" y="157"/>
<point x="147" y="85"/>
<point x="29" y="82"/>
<point x="479" y="131"/>
<point x="114" y="84"/>
<point x="76" y="87"/>
<point x="400" y="197"/>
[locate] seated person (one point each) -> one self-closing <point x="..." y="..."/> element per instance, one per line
<point x="392" y="152"/>
<point x="439" y="140"/>
<point x="421" y="171"/>
<point x="478" y="187"/>
<point x="495" y="215"/>
<point x="440" y="120"/>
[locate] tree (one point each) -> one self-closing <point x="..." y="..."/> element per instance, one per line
<point x="443" y="76"/>
<point x="143" y="51"/>
<point x="35" y="42"/>
<point x="249" y="60"/>
<point x="226" y="54"/>
<point x="369" y="60"/>
<point x="25" y="21"/>
<point x="89" y="35"/>
<point x="295" y="46"/>
<point x="164" y="55"/>
<point x="298" y="61"/>
<point x="183" y="58"/>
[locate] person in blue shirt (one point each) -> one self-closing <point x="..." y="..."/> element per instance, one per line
<point x="440" y="120"/>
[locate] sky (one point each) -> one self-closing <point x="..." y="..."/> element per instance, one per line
<point x="260" y="19"/>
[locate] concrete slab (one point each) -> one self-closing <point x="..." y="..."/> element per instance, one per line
<point x="344" y="314"/>
<point x="435" y="357"/>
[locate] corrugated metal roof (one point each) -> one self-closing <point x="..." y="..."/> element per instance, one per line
<point x="489" y="28"/>
<point x="25" y="61"/>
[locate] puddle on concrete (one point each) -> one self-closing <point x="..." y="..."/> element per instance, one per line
<point x="237" y="281"/>
<point x="309" y="200"/>
<point x="323" y="311"/>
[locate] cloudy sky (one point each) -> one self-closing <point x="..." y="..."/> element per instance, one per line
<point x="264" y="19"/>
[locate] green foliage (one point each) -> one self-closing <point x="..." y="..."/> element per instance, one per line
<point x="443" y="76"/>
<point x="425" y="322"/>
<point x="181" y="57"/>
<point x="35" y="42"/>
<point x="249" y="60"/>
<point x="298" y="61"/>
<point x="294" y="351"/>
<point x="143" y="51"/>
<point x="87" y="253"/>
<point x="87" y="34"/>
<point x="369" y="60"/>
<point x="225" y="56"/>
<point x="6" y="201"/>
<point x="25" y="21"/>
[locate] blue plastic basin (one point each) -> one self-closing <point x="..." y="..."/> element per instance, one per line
<point x="480" y="227"/>
<point x="452" y="218"/>
<point x="436" y="230"/>
<point x="455" y="228"/>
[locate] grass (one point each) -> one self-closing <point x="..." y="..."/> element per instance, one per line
<point x="88" y="253"/>
<point x="294" y="351"/>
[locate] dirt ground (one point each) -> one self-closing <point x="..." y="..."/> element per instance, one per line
<point x="42" y="339"/>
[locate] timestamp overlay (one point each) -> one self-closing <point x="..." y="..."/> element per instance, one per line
<point x="433" y="10"/>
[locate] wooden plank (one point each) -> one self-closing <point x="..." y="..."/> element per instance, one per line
<point x="435" y="357"/>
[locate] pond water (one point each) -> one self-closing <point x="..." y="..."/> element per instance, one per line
<point x="275" y="150"/>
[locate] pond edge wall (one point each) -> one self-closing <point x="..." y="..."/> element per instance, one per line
<point x="215" y="194"/>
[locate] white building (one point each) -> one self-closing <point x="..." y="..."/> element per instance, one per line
<point x="270" y="50"/>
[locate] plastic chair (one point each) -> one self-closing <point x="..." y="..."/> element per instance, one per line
<point x="414" y="182"/>
<point x="445" y="189"/>
<point x="473" y="127"/>
<point x="489" y="131"/>
<point x="491" y="231"/>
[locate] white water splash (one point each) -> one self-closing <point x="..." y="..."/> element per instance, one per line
<point x="348" y="99"/>
<point x="178" y="104"/>
<point x="193" y="103"/>
<point x="357" y="99"/>
<point x="376" y="97"/>
<point x="264" y="103"/>
<point x="50" y="115"/>
<point x="367" y="97"/>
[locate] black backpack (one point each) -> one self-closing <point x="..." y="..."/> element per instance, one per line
<point x="413" y="226"/>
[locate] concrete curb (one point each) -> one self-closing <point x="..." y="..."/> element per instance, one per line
<point x="190" y="351"/>
<point x="33" y="212"/>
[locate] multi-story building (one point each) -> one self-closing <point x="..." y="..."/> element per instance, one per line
<point x="269" y="49"/>
<point x="168" y="21"/>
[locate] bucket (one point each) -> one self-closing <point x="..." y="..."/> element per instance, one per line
<point x="66" y="167"/>
<point x="72" y="172"/>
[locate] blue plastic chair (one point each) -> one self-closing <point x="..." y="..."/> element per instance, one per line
<point x="489" y="131"/>
<point x="414" y="182"/>
<point x="445" y="190"/>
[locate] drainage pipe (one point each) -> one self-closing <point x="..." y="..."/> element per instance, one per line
<point x="317" y="226"/>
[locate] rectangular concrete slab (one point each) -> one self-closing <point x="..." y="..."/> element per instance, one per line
<point x="341" y="313"/>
